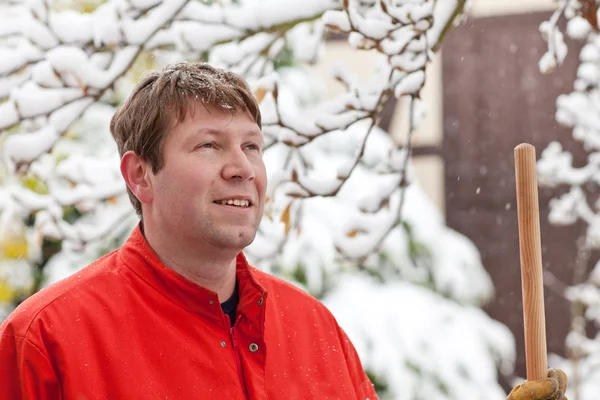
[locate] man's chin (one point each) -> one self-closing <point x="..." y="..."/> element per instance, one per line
<point x="238" y="239"/>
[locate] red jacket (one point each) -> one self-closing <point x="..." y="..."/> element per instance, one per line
<point x="126" y="327"/>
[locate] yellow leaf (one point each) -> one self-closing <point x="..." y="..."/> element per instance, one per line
<point x="285" y="218"/>
<point x="34" y="184"/>
<point x="260" y="94"/>
<point x="7" y="294"/>
<point x="14" y="247"/>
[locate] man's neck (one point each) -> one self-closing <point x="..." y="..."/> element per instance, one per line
<point x="207" y="268"/>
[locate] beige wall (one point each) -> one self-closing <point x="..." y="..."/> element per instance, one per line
<point x="429" y="170"/>
<point x="481" y="8"/>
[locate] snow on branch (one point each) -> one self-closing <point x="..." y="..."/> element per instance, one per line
<point x="61" y="66"/>
<point x="580" y="111"/>
<point x="340" y="196"/>
<point x="57" y="63"/>
<point x="405" y="34"/>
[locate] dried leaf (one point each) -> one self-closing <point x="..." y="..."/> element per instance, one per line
<point x="83" y="88"/>
<point x="589" y="11"/>
<point x="260" y="94"/>
<point x="383" y="6"/>
<point x="297" y="195"/>
<point x="286" y="219"/>
<point x="355" y="232"/>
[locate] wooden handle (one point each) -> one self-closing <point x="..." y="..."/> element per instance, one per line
<point x="531" y="262"/>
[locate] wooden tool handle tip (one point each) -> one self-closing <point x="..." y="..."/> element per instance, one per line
<point x="524" y="146"/>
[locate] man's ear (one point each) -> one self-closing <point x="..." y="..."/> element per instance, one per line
<point x="137" y="176"/>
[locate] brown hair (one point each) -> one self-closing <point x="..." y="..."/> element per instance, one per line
<point x="162" y="99"/>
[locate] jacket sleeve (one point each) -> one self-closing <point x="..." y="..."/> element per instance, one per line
<point x="362" y="384"/>
<point x="25" y="370"/>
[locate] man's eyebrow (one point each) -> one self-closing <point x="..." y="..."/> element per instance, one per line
<point x="254" y="133"/>
<point x="216" y="132"/>
<point x="208" y="131"/>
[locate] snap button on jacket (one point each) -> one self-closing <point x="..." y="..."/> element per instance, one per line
<point x="127" y="327"/>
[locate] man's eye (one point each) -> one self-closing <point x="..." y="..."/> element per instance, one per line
<point x="253" y="147"/>
<point x="206" y="146"/>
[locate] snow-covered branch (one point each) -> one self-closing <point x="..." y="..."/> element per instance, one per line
<point x="341" y="200"/>
<point x="61" y="64"/>
<point x="580" y="111"/>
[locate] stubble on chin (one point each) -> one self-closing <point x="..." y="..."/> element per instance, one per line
<point x="230" y="237"/>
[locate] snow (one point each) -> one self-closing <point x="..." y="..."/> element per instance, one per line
<point x="71" y="27"/>
<point x="140" y="30"/>
<point x="106" y="29"/>
<point x="410" y="84"/>
<point x="337" y="19"/>
<point x="144" y="4"/>
<point x="425" y="330"/>
<point x="409" y="62"/>
<point x="306" y="41"/>
<point x="39" y="34"/>
<point x="259" y="15"/>
<point x="62" y="118"/>
<point x="17" y="57"/>
<point x="234" y="53"/>
<point x="334" y="121"/>
<point x="442" y="12"/>
<point x="291" y="138"/>
<point x="29" y="146"/>
<point x="400" y="38"/>
<point x="557" y="48"/>
<point x="76" y="68"/>
<point x="589" y="72"/>
<point x="61" y="104"/>
<point x="32" y="100"/>
<point x="578" y="110"/>
<point x="9" y="114"/>
<point x="374" y="29"/>
<point x="589" y="53"/>
<point x="13" y="59"/>
<point x="578" y="28"/>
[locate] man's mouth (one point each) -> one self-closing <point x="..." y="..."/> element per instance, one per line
<point x="235" y="202"/>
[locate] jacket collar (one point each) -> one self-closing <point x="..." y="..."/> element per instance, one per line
<point x="137" y="254"/>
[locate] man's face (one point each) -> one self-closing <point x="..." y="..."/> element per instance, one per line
<point x="212" y="185"/>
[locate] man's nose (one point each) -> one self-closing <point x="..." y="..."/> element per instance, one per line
<point x="237" y="166"/>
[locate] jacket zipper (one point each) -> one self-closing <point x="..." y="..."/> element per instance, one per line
<point x="238" y="361"/>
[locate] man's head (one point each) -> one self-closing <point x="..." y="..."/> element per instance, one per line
<point x="190" y="139"/>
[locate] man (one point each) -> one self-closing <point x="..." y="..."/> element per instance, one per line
<point x="177" y="312"/>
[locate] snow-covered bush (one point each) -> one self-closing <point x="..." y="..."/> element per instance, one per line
<point x="579" y="110"/>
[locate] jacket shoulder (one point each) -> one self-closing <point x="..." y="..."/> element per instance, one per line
<point x="68" y="290"/>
